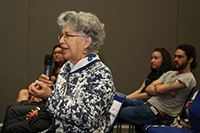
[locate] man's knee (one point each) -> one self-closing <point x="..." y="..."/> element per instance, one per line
<point x="10" y="129"/>
<point x="23" y="95"/>
<point x="11" y="111"/>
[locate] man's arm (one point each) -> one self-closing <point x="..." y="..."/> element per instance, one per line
<point x="141" y="96"/>
<point x="151" y="88"/>
<point x="158" y="88"/>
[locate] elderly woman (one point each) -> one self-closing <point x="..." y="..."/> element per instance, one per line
<point x="85" y="89"/>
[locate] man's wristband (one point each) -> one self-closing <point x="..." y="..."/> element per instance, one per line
<point x="38" y="108"/>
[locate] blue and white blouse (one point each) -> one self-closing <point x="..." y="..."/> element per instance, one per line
<point x="83" y="95"/>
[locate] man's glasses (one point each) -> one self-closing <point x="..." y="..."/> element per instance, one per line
<point x="66" y="36"/>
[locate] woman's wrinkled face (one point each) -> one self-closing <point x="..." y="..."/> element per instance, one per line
<point x="72" y="44"/>
<point x="57" y="55"/>
<point x="156" y="60"/>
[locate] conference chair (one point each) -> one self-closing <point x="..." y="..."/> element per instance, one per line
<point x="114" y="110"/>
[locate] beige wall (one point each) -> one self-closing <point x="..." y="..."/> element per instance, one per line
<point x="28" y="31"/>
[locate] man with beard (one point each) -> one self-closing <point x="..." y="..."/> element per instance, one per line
<point x="168" y="93"/>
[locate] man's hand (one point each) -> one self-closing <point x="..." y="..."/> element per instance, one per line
<point x="31" y="114"/>
<point x="173" y="93"/>
<point x="35" y="99"/>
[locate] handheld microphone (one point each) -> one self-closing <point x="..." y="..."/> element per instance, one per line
<point x="48" y="61"/>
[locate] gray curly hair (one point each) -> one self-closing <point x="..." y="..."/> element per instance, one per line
<point x="85" y="23"/>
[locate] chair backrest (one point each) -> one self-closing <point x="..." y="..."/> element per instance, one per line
<point x="114" y="109"/>
<point x="194" y="111"/>
<point x="184" y="112"/>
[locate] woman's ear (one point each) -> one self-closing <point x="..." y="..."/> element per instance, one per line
<point x="88" y="42"/>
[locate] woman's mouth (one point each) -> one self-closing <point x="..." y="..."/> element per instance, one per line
<point x="64" y="48"/>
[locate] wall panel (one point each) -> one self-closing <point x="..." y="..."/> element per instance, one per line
<point x="13" y="46"/>
<point x="189" y="29"/>
<point x="134" y="28"/>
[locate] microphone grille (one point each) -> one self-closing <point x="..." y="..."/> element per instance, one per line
<point x="48" y="60"/>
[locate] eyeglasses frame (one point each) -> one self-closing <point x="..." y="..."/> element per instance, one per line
<point x="66" y="36"/>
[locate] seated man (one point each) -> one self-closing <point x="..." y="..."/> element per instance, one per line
<point x="169" y="92"/>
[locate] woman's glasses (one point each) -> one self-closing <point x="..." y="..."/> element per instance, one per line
<point x="66" y="36"/>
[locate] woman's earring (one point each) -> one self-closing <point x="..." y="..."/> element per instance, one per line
<point x="84" y="52"/>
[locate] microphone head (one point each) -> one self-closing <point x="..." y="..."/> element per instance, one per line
<point x="48" y="59"/>
<point x="48" y="62"/>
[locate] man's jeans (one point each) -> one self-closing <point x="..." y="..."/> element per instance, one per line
<point x="136" y="112"/>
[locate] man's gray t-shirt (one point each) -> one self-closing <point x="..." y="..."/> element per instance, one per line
<point x="169" y="105"/>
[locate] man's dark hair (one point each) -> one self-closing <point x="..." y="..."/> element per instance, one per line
<point x="190" y="52"/>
